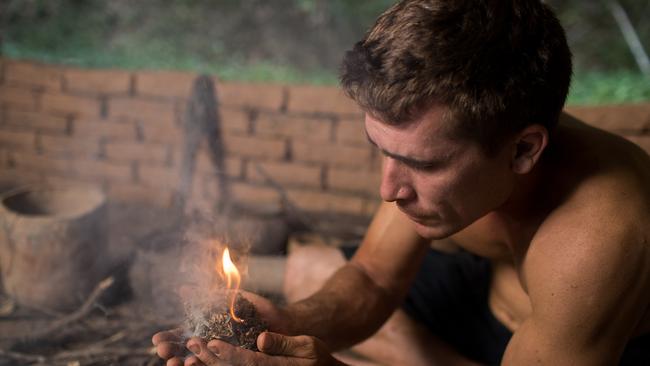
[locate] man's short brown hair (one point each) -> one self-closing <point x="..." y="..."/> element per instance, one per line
<point x="498" y="65"/>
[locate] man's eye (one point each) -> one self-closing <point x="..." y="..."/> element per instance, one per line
<point x="425" y="167"/>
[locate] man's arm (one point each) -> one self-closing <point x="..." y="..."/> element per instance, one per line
<point x="361" y="295"/>
<point x="586" y="273"/>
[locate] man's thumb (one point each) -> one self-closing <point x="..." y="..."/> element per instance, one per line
<point x="281" y="345"/>
<point x="271" y="343"/>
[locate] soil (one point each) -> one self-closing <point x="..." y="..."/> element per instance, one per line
<point x="218" y="324"/>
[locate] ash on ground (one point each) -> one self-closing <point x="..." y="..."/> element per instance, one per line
<point x="217" y="323"/>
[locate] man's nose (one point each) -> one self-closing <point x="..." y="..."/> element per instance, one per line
<point x="394" y="182"/>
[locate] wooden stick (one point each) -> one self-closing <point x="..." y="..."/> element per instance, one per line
<point x="83" y="311"/>
<point x="290" y="207"/>
<point x="102" y="352"/>
<point x="293" y="212"/>
<point x="630" y="35"/>
<point x="23" y="357"/>
<point x="80" y="353"/>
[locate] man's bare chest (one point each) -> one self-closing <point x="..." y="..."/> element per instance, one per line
<point x="488" y="238"/>
<point x="507" y="298"/>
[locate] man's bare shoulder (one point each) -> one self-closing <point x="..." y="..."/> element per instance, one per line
<point x="602" y="201"/>
<point x="602" y="177"/>
<point x="591" y="254"/>
<point x="606" y="214"/>
<point x="598" y="150"/>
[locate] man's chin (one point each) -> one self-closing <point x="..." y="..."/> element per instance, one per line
<point x="433" y="230"/>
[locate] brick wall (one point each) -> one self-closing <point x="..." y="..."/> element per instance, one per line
<point x="122" y="130"/>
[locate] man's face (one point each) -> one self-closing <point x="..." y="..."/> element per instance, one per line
<point x="442" y="185"/>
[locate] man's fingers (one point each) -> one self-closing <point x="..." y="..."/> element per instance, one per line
<point x="175" y="361"/>
<point x="281" y="345"/>
<point x="173" y="335"/>
<point x="235" y="356"/>
<point x="193" y="361"/>
<point x="200" y="349"/>
<point x="166" y="350"/>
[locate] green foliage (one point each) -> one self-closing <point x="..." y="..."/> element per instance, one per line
<point x="285" y="41"/>
<point x="609" y="87"/>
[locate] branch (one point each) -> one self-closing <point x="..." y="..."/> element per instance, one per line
<point x="82" y="353"/>
<point x="23" y="357"/>
<point x="630" y="35"/>
<point x="290" y="208"/>
<point x="102" y="352"/>
<point x="82" y="312"/>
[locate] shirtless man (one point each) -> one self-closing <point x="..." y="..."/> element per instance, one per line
<point x="464" y="99"/>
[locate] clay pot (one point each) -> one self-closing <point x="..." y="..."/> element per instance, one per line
<point x="52" y="244"/>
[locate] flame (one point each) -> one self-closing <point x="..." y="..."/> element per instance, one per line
<point x="232" y="275"/>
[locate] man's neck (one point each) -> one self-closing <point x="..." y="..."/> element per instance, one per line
<point x="526" y="207"/>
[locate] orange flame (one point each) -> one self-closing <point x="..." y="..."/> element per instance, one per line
<point x="232" y="275"/>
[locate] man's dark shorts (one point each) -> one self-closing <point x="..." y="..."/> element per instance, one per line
<point x="450" y="297"/>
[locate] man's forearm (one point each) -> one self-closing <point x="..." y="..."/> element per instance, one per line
<point x="347" y="309"/>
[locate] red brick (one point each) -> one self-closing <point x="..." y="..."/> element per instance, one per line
<point x="199" y="199"/>
<point x="70" y="105"/>
<point x="59" y="180"/>
<point x="317" y="201"/>
<point x="314" y="129"/>
<point x="624" y="118"/>
<point x="204" y="164"/>
<point x="164" y="132"/>
<point x="4" y="163"/>
<point x="354" y="181"/>
<point x="18" y="97"/>
<point x="41" y="163"/>
<point x="206" y="188"/>
<point x="17" y="177"/>
<point x="134" y="151"/>
<point x="371" y="206"/>
<point x="33" y="120"/>
<point x="303" y="98"/>
<point x="68" y="146"/>
<point x="642" y="141"/>
<point x="18" y="140"/>
<point x="132" y="193"/>
<point x="3" y="62"/>
<point x="234" y="120"/>
<point x="104" y="129"/>
<point x="199" y="189"/>
<point x="290" y="174"/>
<point x="377" y="160"/>
<point x="33" y="74"/>
<point x="254" y="195"/>
<point x="103" y="170"/>
<point x="351" y="132"/>
<point x="166" y="84"/>
<point x="159" y="176"/>
<point x="209" y="186"/>
<point x="138" y="109"/>
<point x="255" y="147"/>
<point x="332" y="154"/>
<point x="97" y="81"/>
<point x="250" y="95"/>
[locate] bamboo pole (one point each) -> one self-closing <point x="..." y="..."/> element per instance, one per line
<point x="630" y="35"/>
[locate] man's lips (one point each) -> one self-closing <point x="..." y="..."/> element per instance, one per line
<point x="420" y="219"/>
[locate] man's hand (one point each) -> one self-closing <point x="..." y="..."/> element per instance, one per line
<point x="276" y="350"/>
<point x="170" y="346"/>
<point x="277" y="319"/>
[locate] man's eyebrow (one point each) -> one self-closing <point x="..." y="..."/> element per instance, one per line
<point x="406" y="160"/>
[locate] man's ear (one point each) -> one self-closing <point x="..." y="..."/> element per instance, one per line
<point x="528" y="147"/>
